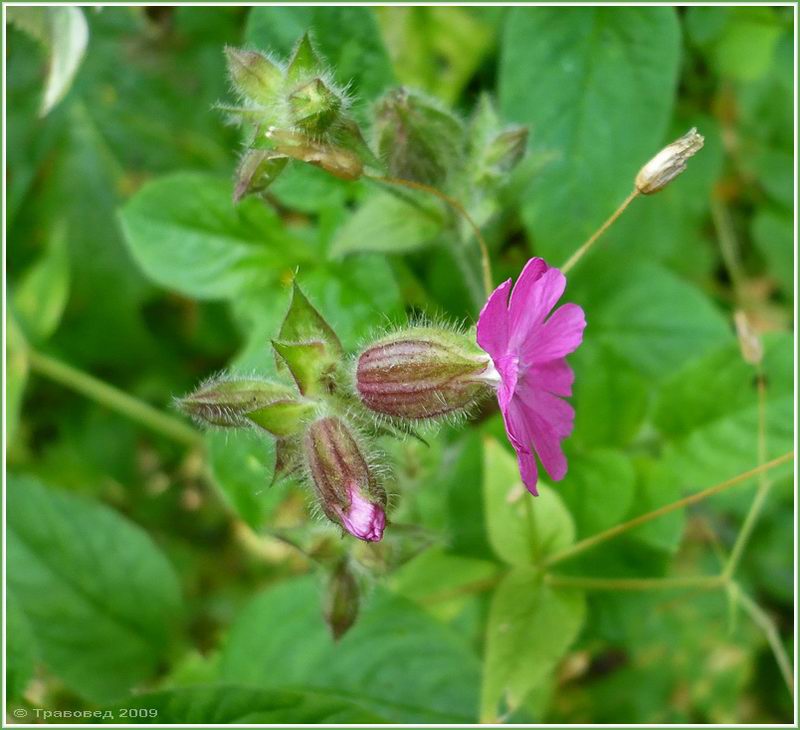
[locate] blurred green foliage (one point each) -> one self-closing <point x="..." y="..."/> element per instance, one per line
<point x="138" y="566"/>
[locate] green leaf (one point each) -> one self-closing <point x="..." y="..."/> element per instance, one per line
<point x="530" y="627"/>
<point x="303" y="323"/>
<point x="242" y="465"/>
<point x="229" y="704"/>
<point x="17" y="374"/>
<point x="773" y="234"/>
<point x="597" y="88"/>
<point x="187" y="235"/>
<point x="41" y="295"/>
<point x="64" y="34"/>
<point x="598" y="490"/>
<point x="307" y="362"/>
<point x="21" y="649"/>
<point x="396" y="661"/>
<point x="522" y="528"/>
<point x="648" y="317"/>
<point x="387" y="224"/>
<point x="100" y="597"/>
<point x="347" y="37"/>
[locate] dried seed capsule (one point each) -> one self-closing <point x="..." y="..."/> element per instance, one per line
<point x="341" y="600"/>
<point x="421" y="373"/>
<point x="669" y="163"/>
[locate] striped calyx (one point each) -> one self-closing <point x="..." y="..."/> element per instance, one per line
<point x="421" y="373"/>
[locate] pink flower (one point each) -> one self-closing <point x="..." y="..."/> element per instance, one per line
<point x="528" y="349"/>
<point x="363" y="519"/>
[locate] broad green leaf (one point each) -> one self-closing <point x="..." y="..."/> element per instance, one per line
<point x="21" y="649"/>
<point x="242" y="464"/>
<point x="100" y="597"/>
<point x="41" y="294"/>
<point x="597" y="88"/>
<point x="64" y="34"/>
<point x="598" y="490"/>
<point x="187" y="235"/>
<point x="657" y="485"/>
<point x="396" y="661"/>
<point x="436" y="49"/>
<point x="17" y="377"/>
<point x="522" y="529"/>
<point x="709" y="413"/>
<point x="387" y="224"/>
<point x="773" y="234"/>
<point x="648" y="317"/>
<point x="347" y="37"/>
<point x="230" y="704"/>
<point x="530" y="627"/>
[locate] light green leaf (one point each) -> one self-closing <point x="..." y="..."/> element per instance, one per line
<point x="530" y="627"/>
<point x="387" y="224"/>
<point x="21" y="649"/>
<point x="64" y="33"/>
<point x="773" y="234"/>
<point x="41" y="295"/>
<point x="396" y="661"/>
<point x="347" y="37"/>
<point x="598" y="489"/>
<point x="230" y="704"/>
<point x="100" y="597"/>
<point x="242" y="464"/>
<point x="187" y="235"/>
<point x="522" y="528"/>
<point x="597" y="87"/>
<point x="17" y="377"/>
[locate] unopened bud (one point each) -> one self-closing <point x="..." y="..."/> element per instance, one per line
<point x="347" y="489"/>
<point x="338" y="161"/>
<point x="315" y="107"/>
<point x="253" y="75"/>
<point x="669" y="163"/>
<point x="257" y="170"/>
<point x="341" y="601"/>
<point x="749" y="342"/>
<point x="237" y="402"/>
<point x="507" y="149"/>
<point x="421" y="373"/>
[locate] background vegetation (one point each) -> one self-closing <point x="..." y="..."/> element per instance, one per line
<point x="145" y="558"/>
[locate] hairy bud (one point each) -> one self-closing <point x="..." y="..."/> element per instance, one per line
<point x="257" y="169"/>
<point x="237" y="402"/>
<point x="341" y="600"/>
<point x="421" y="373"/>
<point x="253" y="75"/>
<point x="315" y="107"/>
<point x="669" y="163"/>
<point x="345" y="484"/>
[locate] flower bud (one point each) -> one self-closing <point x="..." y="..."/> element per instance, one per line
<point x="253" y="75"/>
<point x="257" y="169"/>
<point x="421" y="373"/>
<point x="348" y="491"/>
<point x="506" y="149"/>
<point x="237" y="402"/>
<point x="341" y="601"/>
<point x="669" y="163"/>
<point x="314" y="106"/>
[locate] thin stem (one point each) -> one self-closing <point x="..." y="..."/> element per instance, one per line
<point x="590" y="542"/>
<point x="113" y="398"/>
<point x="706" y="582"/>
<point x="767" y="625"/>
<point x="486" y="265"/>
<point x="764" y="483"/>
<point x="578" y="255"/>
<point x="728" y="245"/>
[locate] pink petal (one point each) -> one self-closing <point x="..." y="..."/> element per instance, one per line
<point x="534" y="302"/>
<point x="530" y="274"/>
<point x="492" y="331"/>
<point x="555" y="377"/>
<point x="548" y="420"/>
<point x="517" y="431"/>
<point x="559" y="335"/>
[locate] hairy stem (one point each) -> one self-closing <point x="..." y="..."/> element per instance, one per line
<point x="113" y="398"/>
<point x="578" y="255"/>
<point x="590" y="542"/>
<point x="486" y="265"/>
<point x="706" y="582"/>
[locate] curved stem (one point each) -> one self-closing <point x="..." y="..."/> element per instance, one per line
<point x="113" y="398"/>
<point x="590" y="542"/>
<point x="486" y="265"/>
<point x="578" y="255"/>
